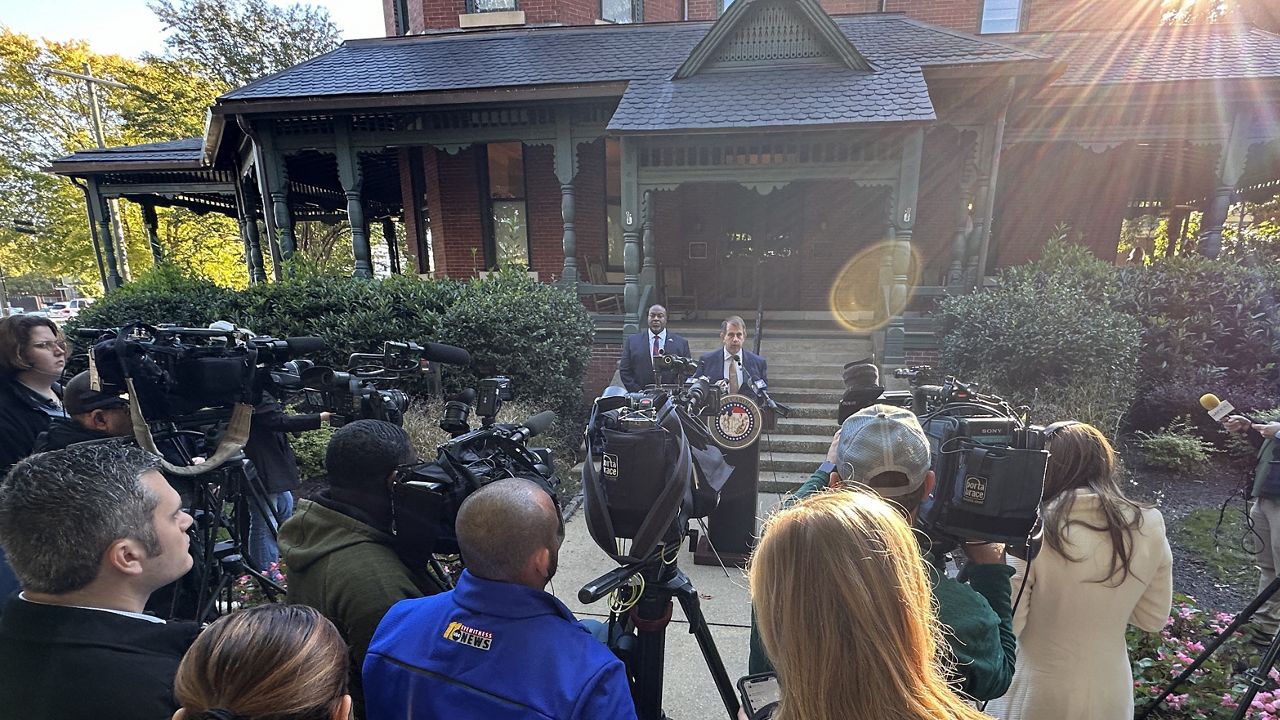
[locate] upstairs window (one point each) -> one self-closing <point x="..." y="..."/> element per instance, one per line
<point x="1001" y="16"/>
<point x="480" y="6"/>
<point x="622" y="11"/>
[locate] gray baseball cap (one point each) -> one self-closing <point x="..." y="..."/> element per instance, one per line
<point x="883" y="439"/>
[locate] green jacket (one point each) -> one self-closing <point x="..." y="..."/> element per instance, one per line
<point x="348" y="571"/>
<point x="978" y="618"/>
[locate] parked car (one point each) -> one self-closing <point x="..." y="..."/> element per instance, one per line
<point x="15" y="311"/>
<point x="68" y="309"/>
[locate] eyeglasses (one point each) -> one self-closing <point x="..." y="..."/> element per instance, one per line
<point x="50" y="344"/>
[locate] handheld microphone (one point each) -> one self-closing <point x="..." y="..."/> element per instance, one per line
<point x="1218" y="409"/>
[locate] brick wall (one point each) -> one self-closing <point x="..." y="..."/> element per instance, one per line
<point x="703" y="9"/>
<point x="663" y="10"/>
<point x="454" y="199"/>
<point x="590" y="225"/>
<point x="604" y="361"/>
<point x="1091" y="14"/>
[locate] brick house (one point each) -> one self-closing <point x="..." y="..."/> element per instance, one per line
<point x="645" y="149"/>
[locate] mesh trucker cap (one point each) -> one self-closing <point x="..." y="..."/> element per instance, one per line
<point x="883" y="439"/>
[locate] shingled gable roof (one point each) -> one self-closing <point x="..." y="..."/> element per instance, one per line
<point x="743" y="14"/>
<point x="170" y="155"/>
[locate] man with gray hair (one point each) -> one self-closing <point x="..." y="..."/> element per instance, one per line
<point x="882" y="449"/>
<point x="497" y="645"/>
<point x="91" y="531"/>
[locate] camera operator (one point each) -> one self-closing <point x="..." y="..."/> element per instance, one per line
<point x="339" y="547"/>
<point x="497" y="645"/>
<point x="269" y="450"/>
<point x="91" y="531"/>
<point x="884" y="449"/>
<point x="91" y="415"/>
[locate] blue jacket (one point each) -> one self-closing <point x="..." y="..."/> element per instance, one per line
<point x="636" y="365"/>
<point x="491" y="651"/>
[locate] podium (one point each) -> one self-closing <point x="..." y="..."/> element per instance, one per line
<point x="731" y="528"/>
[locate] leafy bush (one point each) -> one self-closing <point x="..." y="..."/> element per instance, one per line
<point x="310" y="447"/>
<point x="1176" y="447"/>
<point x="1238" y="446"/>
<point x="164" y="294"/>
<point x="1039" y="333"/>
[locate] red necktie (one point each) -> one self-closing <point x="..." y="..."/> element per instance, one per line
<point x="656" y="350"/>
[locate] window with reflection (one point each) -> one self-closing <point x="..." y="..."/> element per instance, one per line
<point x="622" y="11"/>
<point x="508" y="213"/>
<point x="1001" y="16"/>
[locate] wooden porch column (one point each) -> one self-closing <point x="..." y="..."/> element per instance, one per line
<point x="100" y="209"/>
<point x="393" y="248"/>
<point x="152" y="225"/>
<point x="960" y="238"/>
<point x="566" y="168"/>
<point x="630" y="168"/>
<point x="648" y="271"/>
<point x="1230" y="168"/>
<point x="273" y="189"/>
<point x="898" y="263"/>
<point x="352" y="179"/>
<point x="988" y="181"/>
<point x="247" y="216"/>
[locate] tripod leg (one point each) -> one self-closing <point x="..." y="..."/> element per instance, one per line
<point x="1238" y="621"/>
<point x="698" y="627"/>
<point x="1258" y="677"/>
<point x="651" y="617"/>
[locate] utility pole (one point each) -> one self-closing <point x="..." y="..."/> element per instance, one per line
<point x="95" y="112"/>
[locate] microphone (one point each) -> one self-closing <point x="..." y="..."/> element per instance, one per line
<point x="305" y="345"/>
<point x="1218" y="409"/>
<point x="533" y="426"/>
<point x="447" y="354"/>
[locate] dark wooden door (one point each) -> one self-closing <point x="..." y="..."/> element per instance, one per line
<point x="759" y="248"/>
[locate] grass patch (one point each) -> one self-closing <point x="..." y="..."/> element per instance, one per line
<point x="1224" y="553"/>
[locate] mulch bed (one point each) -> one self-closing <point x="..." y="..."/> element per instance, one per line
<point x="1176" y="495"/>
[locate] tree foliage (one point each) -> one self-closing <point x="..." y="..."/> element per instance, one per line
<point x="239" y="41"/>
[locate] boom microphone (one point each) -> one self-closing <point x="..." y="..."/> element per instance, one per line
<point x="1218" y="409"/>
<point x="305" y="345"/>
<point x="535" y="425"/>
<point x="447" y="354"/>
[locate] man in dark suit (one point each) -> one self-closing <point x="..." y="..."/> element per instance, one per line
<point x="636" y="367"/>
<point x="734" y="363"/>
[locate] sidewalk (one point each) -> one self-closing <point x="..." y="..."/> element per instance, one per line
<point x="689" y="692"/>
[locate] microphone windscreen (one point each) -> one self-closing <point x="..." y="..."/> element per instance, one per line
<point x="1209" y="401"/>
<point x="447" y="354"/>
<point x="539" y="423"/>
<point x="467" y="396"/>
<point x="305" y="345"/>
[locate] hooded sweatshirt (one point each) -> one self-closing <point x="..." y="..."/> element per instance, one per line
<point x="349" y="571"/>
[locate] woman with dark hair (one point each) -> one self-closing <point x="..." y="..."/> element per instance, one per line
<point x="32" y="355"/>
<point x="276" y="662"/>
<point x="1104" y="564"/>
<point x="846" y="613"/>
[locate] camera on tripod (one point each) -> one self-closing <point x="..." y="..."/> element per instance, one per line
<point x="988" y="462"/>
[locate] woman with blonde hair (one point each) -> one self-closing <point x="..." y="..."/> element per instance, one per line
<point x="1104" y="564"/>
<point x="846" y="614"/>
<point x="270" y="662"/>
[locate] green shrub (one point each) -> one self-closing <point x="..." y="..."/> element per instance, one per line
<point x="1176" y="447"/>
<point x="310" y="447"/>
<point x="164" y="294"/>
<point x="1046" y="336"/>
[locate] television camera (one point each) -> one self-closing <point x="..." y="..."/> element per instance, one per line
<point x="658" y="469"/>
<point x="989" y="463"/>
<point x="196" y="388"/>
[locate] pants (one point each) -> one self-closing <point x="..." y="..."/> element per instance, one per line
<point x="1265" y="514"/>
<point x="262" y="528"/>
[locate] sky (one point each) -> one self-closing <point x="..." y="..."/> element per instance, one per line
<point x="128" y="27"/>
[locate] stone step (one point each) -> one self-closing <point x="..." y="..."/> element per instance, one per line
<point x="783" y="482"/>
<point x="806" y="426"/>
<point x="779" y="380"/>
<point x="788" y="395"/>
<point x="799" y="462"/>
<point x="786" y="442"/>
<point x="821" y="411"/>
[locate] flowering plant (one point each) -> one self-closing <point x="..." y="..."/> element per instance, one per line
<point x="246" y="591"/>
<point x="1214" y="689"/>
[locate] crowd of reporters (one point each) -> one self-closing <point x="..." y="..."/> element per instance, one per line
<point x="848" y="607"/>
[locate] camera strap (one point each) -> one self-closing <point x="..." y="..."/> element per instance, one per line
<point x="232" y="441"/>
<point x="666" y="507"/>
